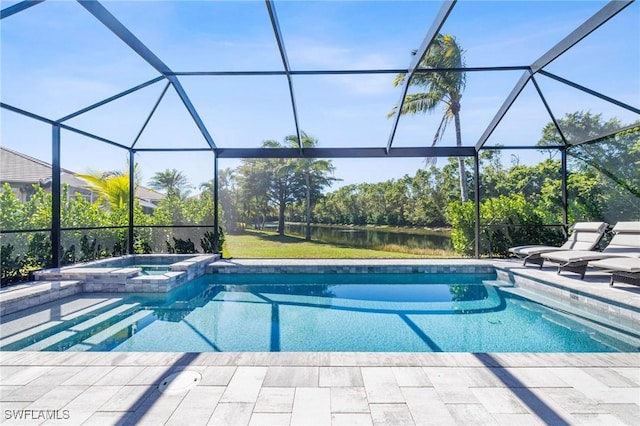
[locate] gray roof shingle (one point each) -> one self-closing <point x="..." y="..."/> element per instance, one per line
<point x="16" y="167"/>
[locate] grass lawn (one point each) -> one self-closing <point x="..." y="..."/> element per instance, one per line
<point x="262" y="244"/>
<point x="416" y="230"/>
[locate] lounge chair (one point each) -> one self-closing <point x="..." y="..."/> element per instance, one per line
<point x="625" y="243"/>
<point x="584" y="236"/>
<point x="622" y="269"/>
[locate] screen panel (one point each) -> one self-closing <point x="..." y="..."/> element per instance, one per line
<point x="73" y="61"/>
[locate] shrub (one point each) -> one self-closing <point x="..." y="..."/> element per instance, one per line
<point x="181" y="246"/>
<point x="10" y="265"/>
<point x="506" y="221"/>
<point x="211" y="242"/>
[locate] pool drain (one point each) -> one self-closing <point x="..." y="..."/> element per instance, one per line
<point x="179" y="382"/>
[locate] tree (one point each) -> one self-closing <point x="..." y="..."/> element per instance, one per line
<point x="171" y="181"/>
<point x="11" y="209"/>
<point x="317" y="176"/>
<point x="228" y="196"/>
<point x="427" y="205"/>
<point x="343" y="206"/>
<point x="439" y="87"/>
<point x="113" y="188"/>
<point x="607" y="165"/>
<point x="254" y="179"/>
<point x="286" y="183"/>
<point x="278" y="183"/>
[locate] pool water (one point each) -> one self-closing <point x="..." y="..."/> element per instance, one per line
<point x="331" y="312"/>
<point x="153" y="269"/>
<point x="138" y="260"/>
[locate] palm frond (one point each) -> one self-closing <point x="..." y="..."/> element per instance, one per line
<point x="446" y="118"/>
<point x="421" y="102"/>
<point x="399" y="79"/>
<point x="114" y="189"/>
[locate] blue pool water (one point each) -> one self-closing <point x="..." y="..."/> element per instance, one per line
<point x="138" y="260"/>
<point x="153" y="269"/>
<point x="330" y="312"/>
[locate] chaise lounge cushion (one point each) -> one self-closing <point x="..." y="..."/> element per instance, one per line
<point x="587" y="255"/>
<point x="623" y="264"/>
<point x="625" y="243"/>
<point x="584" y="236"/>
<point x="623" y="269"/>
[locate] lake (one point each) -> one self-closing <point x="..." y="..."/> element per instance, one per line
<point x="373" y="238"/>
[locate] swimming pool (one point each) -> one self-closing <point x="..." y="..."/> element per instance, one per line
<point x="323" y="312"/>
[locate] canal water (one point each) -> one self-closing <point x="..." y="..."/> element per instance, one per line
<point x="370" y="238"/>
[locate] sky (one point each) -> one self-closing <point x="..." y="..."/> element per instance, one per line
<point x="57" y="59"/>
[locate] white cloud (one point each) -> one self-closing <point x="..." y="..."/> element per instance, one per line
<point x="306" y="53"/>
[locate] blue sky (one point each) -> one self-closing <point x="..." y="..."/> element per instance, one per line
<point x="57" y="58"/>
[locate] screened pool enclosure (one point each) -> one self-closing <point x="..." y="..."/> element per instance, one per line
<point x="132" y="127"/>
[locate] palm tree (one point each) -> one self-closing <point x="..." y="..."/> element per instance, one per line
<point x="439" y="87"/>
<point x="317" y="175"/>
<point x="114" y="189"/>
<point x="171" y="182"/>
<point x="226" y="181"/>
<point x="112" y="186"/>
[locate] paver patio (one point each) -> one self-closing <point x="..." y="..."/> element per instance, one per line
<point x="322" y="388"/>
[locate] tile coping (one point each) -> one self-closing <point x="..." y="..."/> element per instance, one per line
<point x="356" y="359"/>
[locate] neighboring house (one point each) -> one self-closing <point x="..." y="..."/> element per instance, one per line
<point x="148" y="199"/>
<point x="21" y="172"/>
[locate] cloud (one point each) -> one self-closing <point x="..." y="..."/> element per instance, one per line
<point x="310" y="54"/>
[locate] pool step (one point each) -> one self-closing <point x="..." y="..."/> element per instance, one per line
<point x="108" y="332"/>
<point x="37" y="328"/>
<point x="594" y="320"/>
<point x="23" y="296"/>
<point x="94" y="309"/>
<point x="79" y="328"/>
<point x="105" y="316"/>
<point x="10" y="340"/>
<point x="497" y="283"/>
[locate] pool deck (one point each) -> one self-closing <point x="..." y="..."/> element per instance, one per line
<point x="332" y="388"/>
<point x="323" y="388"/>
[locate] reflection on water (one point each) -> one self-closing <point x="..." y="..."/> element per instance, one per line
<point x="324" y="312"/>
<point x="372" y="237"/>
<point x="415" y="293"/>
